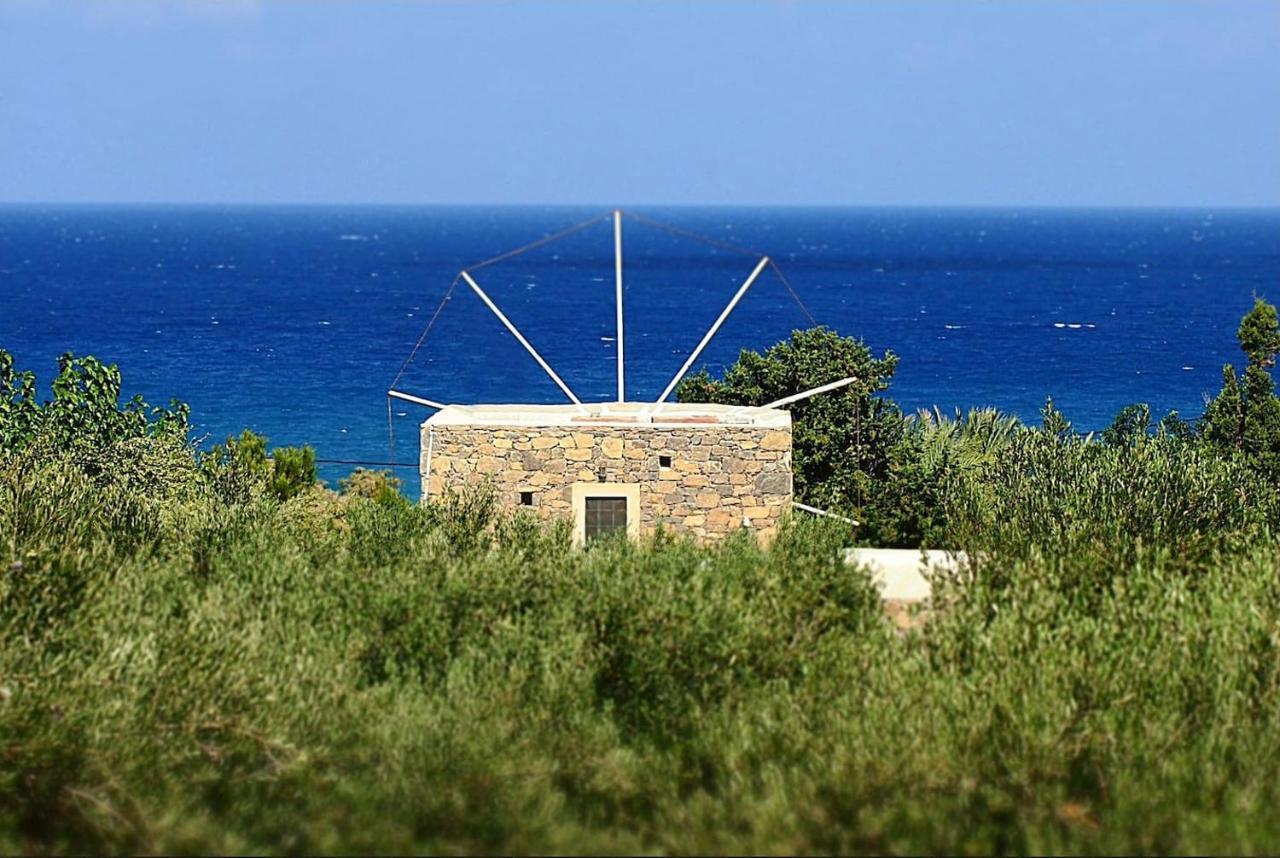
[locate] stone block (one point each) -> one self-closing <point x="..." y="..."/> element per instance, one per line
<point x="773" y="484"/>
<point x="722" y="518"/>
<point x="776" y="441"/>
<point x="611" y="447"/>
<point x="544" y="442"/>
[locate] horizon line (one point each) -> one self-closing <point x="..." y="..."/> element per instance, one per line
<point x="604" y="207"/>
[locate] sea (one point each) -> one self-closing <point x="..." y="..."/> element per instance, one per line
<point x="296" y="321"/>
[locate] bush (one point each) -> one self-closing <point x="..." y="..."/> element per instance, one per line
<point x="293" y="470"/>
<point x="189" y="664"/>
<point x="380" y="486"/>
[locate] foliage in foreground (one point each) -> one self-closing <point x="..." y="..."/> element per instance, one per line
<point x="194" y="660"/>
<point x="338" y="674"/>
<point x="933" y="479"/>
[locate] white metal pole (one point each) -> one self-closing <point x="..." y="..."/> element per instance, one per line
<point x="822" y="512"/>
<point x="519" y="336"/>
<point x="431" y="444"/>
<point x="742" y="290"/>
<point x="617" y="267"/>
<point x="430" y="403"/>
<point x="796" y="397"/>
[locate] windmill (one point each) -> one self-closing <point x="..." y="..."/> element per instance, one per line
<point x="619" y="464"/>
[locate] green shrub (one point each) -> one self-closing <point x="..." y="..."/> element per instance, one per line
<point x="380" y="486"/>
<point x="189" y="663"/>
<point x="293" y="470"/>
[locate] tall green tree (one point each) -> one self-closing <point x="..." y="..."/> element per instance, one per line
<point x="841" y="439"/>
<point x="85" y="412"/>
<point x="1245" y="416"/>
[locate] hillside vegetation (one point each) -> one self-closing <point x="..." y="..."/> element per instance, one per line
<point x="206" y="652"/>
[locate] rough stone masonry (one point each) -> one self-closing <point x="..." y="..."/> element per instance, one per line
<point x="708" y="470"/>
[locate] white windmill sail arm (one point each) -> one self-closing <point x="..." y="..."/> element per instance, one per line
<point x="417" y="400"/>
<point x="822" y="512"/>
<point x="617" y="260"/>
<point x="742" y="290"/>
<point x="813" y="391"/>
<point x="475" y="287"/>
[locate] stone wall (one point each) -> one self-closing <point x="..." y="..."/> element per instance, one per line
<point x="718" y="473"/>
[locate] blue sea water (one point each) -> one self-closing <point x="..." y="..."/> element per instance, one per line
<point x="295" y="321"/>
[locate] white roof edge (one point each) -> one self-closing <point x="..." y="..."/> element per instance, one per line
<point x="635" y="415"/>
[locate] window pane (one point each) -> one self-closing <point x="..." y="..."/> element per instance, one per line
<point x="602" y="515"/>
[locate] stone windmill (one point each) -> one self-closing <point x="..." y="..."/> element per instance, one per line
<point x="620" y="465"/>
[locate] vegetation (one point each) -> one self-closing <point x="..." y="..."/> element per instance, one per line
<point x="930" y="479"/>
<point x="204" y="652"/>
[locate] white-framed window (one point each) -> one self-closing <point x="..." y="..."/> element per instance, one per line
<point x="602" y="508"/>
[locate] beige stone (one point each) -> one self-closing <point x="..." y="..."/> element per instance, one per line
<point x="776" y="441"/>
<point x="707" y="500"/>
<point x="718" y="474"/>
<point x="720" y="518"/>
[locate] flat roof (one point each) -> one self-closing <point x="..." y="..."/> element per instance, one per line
<point x="629" y="414"/>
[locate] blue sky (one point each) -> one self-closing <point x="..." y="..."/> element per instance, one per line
<point x="810" y="103"/>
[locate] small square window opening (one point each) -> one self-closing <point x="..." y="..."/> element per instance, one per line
<point x="526" y="499"/>
<point x="664" y="461"/>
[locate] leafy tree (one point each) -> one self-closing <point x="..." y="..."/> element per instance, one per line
<point x="242" y="463"/>
<point x="1173" y="426"/>
<point x="19" y="410"/>
<point x="293" y="470"/>
<point x="851" y="447"/>
<point x="842" y="439"/>
<point x="1259" y="334"/>
<point x="1129" y="427"/>
<point x="85" y="414"/>
<point x="1245" y="416"/>
<point x="1054" y="422"/>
